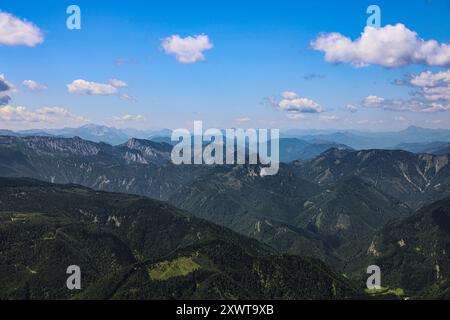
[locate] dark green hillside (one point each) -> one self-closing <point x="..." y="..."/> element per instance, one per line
<point x="260" y="207"/>
<point x="133" y="247"/>
<point x="291" y="214"/>
<point x="413" y="254"/>
<point x="348" y="213"/>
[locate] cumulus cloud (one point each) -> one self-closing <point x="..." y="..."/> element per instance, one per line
<point x="292" y="102"/>
<point x="84" y="87"/>
<point x="18" y="32"/>
<point x="432" y="94"/>
<point x="128" y="117"/>
<point x="5" y="89"/>
<point x="433" y="86"/>
<point x="430" y="79"/>
<point x="21" y="116"/>
<point x="390" y="46"/>
<point x="437" y="93"/>
<point x="81" y="86"/>
<point x="413" y="105"/>
<point x="187" y="50"/>
<point x="33" y="85"/>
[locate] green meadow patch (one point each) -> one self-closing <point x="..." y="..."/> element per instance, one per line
<point x="175" y="268"/>
<point x="399" y="292"/>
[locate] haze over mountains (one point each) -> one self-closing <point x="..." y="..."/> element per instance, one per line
<point x="375" y="140"/>
<point x="330" y="207"/>
<point x="92" y="132"/>
<point x="294" y="144"/>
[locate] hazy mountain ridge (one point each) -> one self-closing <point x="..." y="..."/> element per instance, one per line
<point x="416" y="179"/>
<point x="296" y="149"/>
<point x="92" y="132"/>
<point x="373" y="140"/>
<point x="140" y="166"/>
<point x="347" y="138"/>
<point x="436" y="147"/>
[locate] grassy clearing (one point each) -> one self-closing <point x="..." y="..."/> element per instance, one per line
<point x="399" y="292"/>
<point x="175" y="268"/>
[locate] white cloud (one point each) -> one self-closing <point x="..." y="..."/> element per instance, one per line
<point x="118" y="83"/>
<point x="296" y="116"/>
<point x="389" y="46"/>
<point x="373" y="101"/>
<point x="329" y="118"/>
<point x="433" y="107"/>
<point x="430" y="79"/>
<point x="289" y="95"/>
<point x="84" y="87"/>
<point x="432" y="94"/>
<point x="33" y="85"/>
<point x="128" y="117"/>
<point x="21" y="116"/>
<point x="54" y="114"/>
<point x="433" y="86"/>
<point x="16" y="32"/>
<point x="413" y="105"/>
<point x="242" y="120"/>
<point x="91" y="88"/>
<point x="392" y="104"/>
<point x="437" y="93"/>
<point x="187" y="50"/>
<point x="292" y="102"/>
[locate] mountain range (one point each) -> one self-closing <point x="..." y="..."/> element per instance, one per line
<point x="332" y="207"/>
<point x="373" y="140"/>
<point x="92" y="132"/>
<point x="334" y="138"/>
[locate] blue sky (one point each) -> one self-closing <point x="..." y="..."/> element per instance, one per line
<point x="259" y="50"/>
